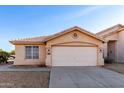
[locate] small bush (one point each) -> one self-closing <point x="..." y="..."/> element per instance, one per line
<point x="12" y="52"/>
<point x="4" y="56"/>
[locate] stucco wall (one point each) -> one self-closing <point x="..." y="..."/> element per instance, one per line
<point x="120" y="47"/>
<point x="119" y="38"/>
<point x="110" y="37"/>
<point x="69" y="38"/>
<point x="20" y="56"/>
<point x="105" y="50"/>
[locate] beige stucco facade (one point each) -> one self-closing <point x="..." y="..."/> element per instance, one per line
<point x="64" y="39"/>
<point x="82" y="40"/>
<point x="120" y="47"/>
<point x="116" y="35"/>
<point x="113" y="37"/>
<point x="20" y="56"/>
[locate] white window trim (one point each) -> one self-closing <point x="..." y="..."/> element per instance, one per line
<point x="32" y="53"/>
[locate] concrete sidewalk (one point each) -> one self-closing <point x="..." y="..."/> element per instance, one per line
<point x="85" y="77"/>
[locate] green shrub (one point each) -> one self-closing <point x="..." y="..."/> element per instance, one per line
<point x="4" y="56"/>
<point x="12" y="52"/>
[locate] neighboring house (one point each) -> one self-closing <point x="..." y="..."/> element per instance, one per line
<point x="72" y="47"/>
<point x="114" y="46"/>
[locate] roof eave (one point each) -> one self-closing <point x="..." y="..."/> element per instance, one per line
<point x="78" y="28"/>
<point x="103" y="31"/>
<point x="26" y="43"/>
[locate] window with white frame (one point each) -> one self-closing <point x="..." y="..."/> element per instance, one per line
<point x="32" y="52"/>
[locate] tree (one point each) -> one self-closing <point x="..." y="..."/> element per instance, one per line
<point x="12" y="52"/>
<point x="4" y="56"/>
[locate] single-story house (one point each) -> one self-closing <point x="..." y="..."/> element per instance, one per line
<point x="72" y="47"/>
<point x="114" y="46"/>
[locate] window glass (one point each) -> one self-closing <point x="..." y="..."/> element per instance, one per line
<point x="32" y="52"/>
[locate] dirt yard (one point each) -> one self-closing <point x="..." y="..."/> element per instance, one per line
<point x="118" y="67"/>
<point x="24" y="79"/>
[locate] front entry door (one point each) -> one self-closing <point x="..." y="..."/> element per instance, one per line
<point x="111" y="51"/>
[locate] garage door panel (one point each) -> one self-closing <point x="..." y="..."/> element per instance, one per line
<point x="74" y="56"/>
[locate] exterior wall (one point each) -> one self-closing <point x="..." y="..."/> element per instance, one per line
<point x="119" y="38"/>
<point x="68" y="38"/>
<point x="112" y="51"/>
<point x="105" y="50"/>
<point x="20" y="56"/>
<point x="120" y="47"/>
<point x="113" y="37"/>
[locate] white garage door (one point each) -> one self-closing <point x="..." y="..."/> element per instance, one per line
<point x="74" y="56"/>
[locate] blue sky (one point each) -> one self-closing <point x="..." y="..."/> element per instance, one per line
<point x="31" y="21"/>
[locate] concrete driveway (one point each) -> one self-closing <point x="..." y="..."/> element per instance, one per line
<point x="85" y="77"/>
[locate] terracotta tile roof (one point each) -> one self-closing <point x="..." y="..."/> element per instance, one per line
<point x="110" y="30"/>
<point x="72" y="29"/>
<point x="111" y="33"/>
<point x="43" y="39"/>
<point x="35" y="40"/>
